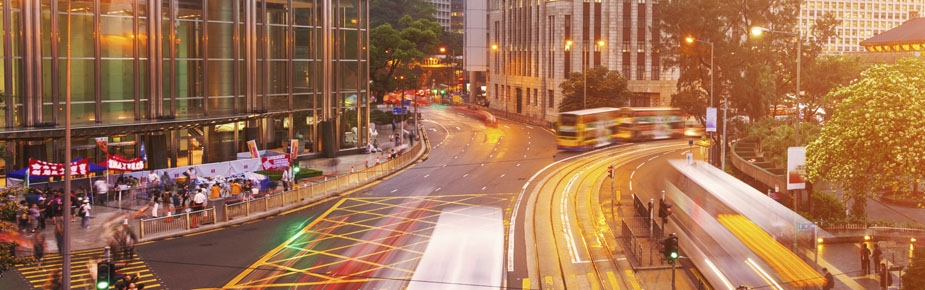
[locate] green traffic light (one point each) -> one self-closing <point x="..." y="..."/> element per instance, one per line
<point x="674" y="255"/>
<point x="102" y="285"/>
<point x="295" y="169"/>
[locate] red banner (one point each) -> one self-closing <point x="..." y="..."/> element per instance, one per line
<point x="116" y="162"/>
<point x="275" y="162"/>
<point x="42" y="168"/>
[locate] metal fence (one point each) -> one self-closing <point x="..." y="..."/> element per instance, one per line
<point x="303" y="193"/>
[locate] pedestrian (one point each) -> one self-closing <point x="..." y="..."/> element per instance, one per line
<point x="54" y="281"/>
<point x="102" y="191"/>
<point x="155" y="204"/>
<point x="199" y="201"/>
<point x="175" y="200"/>
<point x="287" y="175"/>
<point x="59" y="237"/>
<point x="829" y="279"/>
<point x="116" y="242"/>
<point x="876" y="256"/>
<point x="34" y="214"/>
<point x="129" y="239"/>
<point x="865" y="259"/>
<point x="886" y="279"/>
<point x="38" y="248"/>
<point x="215" y="191"/>
<point x="84" y="213"/>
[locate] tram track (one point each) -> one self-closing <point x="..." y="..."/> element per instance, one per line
<point x="569" y="225"/>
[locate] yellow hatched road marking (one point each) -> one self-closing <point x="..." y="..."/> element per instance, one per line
<point x="613" y="280"/>
<point x="633" y="280"/>
<point x="256" y="265"/>
<point x="592" y="278"/>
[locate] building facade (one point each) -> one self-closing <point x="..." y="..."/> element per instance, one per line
<point x="442" y="12"/>
<point x="860" y="19"/>
<point x="193" y="80"/>
<point x="528" y="58"/>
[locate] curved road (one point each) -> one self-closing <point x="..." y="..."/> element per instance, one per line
<point x="377" y="236"/>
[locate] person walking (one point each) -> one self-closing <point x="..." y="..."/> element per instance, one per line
<point x="129" y="239"/>
<point x="876" y="257"/>
<point x="885" y="278"/>
<point x="84" y="213"/>
<point x="175" y="200"/>
<point x="865" y="259"/>
<point x="38" y="248"/>
<point x="829" y="279"/>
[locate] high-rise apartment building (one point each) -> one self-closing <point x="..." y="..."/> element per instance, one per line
<point x="192" y="79"/>
<point x="528" y="58"/>
<point x="860" y="19"/>
<point x="457" y="16"/>
<point x="442" y="12"/>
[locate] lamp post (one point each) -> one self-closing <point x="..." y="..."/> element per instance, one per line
<point x="757" y="31"/>
<point x="584" y="67"/>
<point x="691" y="40"/>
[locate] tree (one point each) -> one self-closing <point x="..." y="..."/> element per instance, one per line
<point x="393" y="52"/>
<point x="874" y="137"/>
<point x="827" y="73"/>
<point x="606" y="88"/>
<point x="914" y="275"/>
<point x="392" y="11"/>
<point x="753" y="74"/>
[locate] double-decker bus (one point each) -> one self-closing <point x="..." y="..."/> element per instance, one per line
<point x="587" y="129"/>
<point x="650" y="123"/>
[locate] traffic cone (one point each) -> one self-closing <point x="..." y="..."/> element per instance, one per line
<point x="194" y="220"/>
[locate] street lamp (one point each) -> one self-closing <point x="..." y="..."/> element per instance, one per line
<point x="584" y="68"/>
<point x="757" y="31"/>
<point x="691" y="40"/>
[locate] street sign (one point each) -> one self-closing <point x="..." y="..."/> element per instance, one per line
<point x="399" y="110"/>
<point x="406" y="102"/>
<point x="806" y="226"/>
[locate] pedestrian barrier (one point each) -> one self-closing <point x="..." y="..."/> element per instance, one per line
<point x="175" y="222"/>
<point x="304" y="193"/>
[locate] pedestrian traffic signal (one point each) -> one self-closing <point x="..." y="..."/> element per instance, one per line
<point x="610" y="171"/>
<point x="103" y="275"/>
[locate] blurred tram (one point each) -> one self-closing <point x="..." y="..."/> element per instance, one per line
<point x="735" y="235"/>
<point x="587" y="129"/>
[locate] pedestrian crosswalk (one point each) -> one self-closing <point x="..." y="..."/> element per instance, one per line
<point x="81" y="264"/>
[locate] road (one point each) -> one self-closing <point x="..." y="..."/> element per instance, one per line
<point x="376" y="236"/>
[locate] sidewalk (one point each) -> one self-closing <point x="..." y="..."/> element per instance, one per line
<point x="114" y="213"/>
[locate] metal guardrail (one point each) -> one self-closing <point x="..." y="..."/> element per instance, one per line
<point x="304" y="193"/>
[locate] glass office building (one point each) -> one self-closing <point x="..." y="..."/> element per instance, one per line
<point x="193" y="80"/>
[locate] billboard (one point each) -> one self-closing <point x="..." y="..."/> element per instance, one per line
<point x="796" y="168"/>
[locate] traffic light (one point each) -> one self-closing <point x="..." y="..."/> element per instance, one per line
<point x="442" y="91"/>
<point x="670" y="250"/>
<point x="610" y="171"/>
<point x="103" y="275"/>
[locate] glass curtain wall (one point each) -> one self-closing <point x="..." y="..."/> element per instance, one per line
<point x="137" y="61"/>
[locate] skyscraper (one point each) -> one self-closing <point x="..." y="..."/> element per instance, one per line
<point x="194" y="83"/>
<point x="528" y="58"/>
<point x="860" y="19"/>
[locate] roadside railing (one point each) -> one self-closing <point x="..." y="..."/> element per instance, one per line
<point x="306" y="192"/>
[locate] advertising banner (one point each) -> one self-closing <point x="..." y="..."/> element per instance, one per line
<point x="711" y="119"/>
<point x="252" y="147"/>
<point x="42" y="168"/>
<point x="116" y="162"/>
<point x="293" y="149"/>
<point x="103" y="143"/>
<point x="275" y="162"/>
<point x="796" y="168"/>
